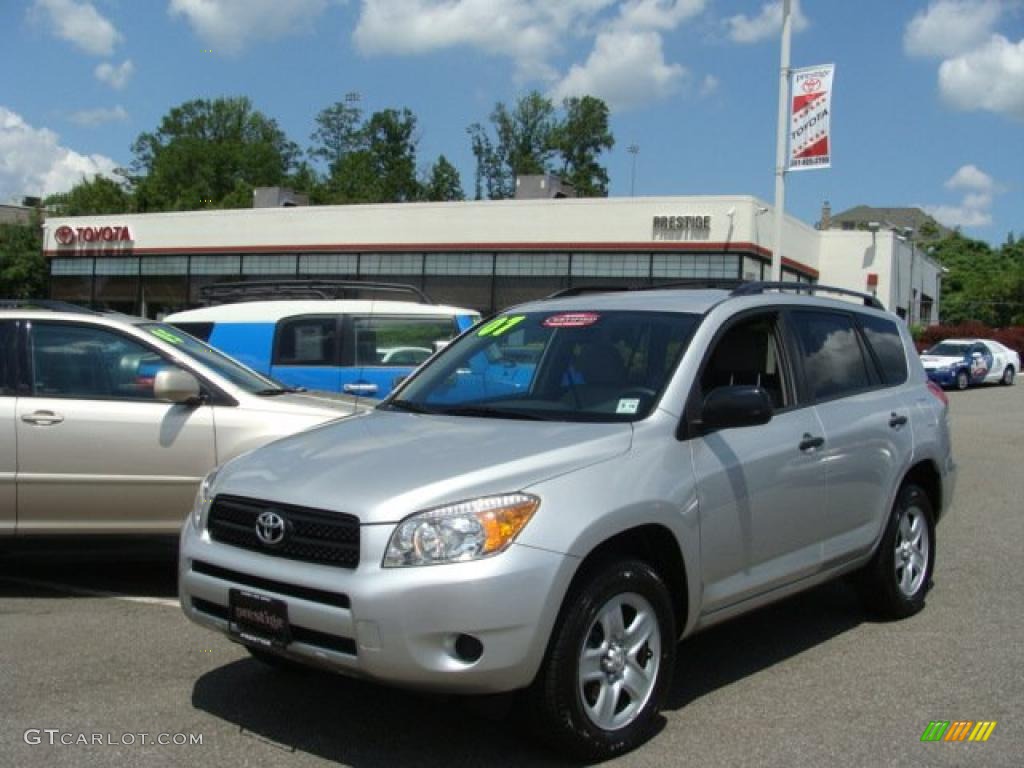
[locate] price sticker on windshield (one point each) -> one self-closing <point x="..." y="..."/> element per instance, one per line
<point x="165" y="335"/>
<point x="571" y="320"/>
<point x="500" y="325"/>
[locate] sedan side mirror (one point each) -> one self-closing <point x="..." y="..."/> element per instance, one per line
<point x="738" y="406"/>
<point x="176" y="386"/>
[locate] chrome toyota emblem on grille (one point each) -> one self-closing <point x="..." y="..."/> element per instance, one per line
<point x="270" y="528"/>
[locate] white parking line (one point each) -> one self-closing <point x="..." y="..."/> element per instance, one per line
<point x="168" y="602"/>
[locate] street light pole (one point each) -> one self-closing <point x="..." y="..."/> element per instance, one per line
<point x="780" y="142"/>
<point x="633" y="149"/>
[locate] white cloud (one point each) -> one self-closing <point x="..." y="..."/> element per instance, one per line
<point x="959" y="216"/>
<point x="766" y="25"/>
<point x="229" y="25"/>
<point x="116" y="76"/>
<point x="975" y="209"/>
<point x="951" y="27"/>
<point x="709" y="85"/>
<point x="658" y="14"/>
<point x="970" y="177"/>
<point x="90" y="118"/>
<point x="626" y="69"/>
<point x="33" y="162"/>
<point x="79" y="23"/>
<point x="989" y="78"/>
<point x="529" y="32"/>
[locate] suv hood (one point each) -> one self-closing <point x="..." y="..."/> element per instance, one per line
<point x="385" y="466"/>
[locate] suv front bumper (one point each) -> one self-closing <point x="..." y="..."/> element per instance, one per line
<point x="400" y="625"/>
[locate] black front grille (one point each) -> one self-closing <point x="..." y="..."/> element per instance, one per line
<point x="311" y="535"/>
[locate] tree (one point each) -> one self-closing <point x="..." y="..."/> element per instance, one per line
<point x="444" y="183"/>
<point x="88" y="197"/>
<point x="372" y="161"/>
<point x="215" y="150"/>
<point x="579" y="140"/>
<point x="528" y="138"/>
<point x="982" y="284"/>
<point x="22" y="266"/>
<point x="339" y="132"/>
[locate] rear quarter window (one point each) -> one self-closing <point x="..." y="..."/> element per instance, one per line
<point x="883" y="336"/>
<point x="201" y="331"/>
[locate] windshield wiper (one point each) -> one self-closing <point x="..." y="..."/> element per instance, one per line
<point x="494" y="413"/>
<point x="405" y="405"/>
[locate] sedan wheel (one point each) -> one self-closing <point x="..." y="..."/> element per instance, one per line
<point x="1008" y="375"/>
<point x="963" y="381"/>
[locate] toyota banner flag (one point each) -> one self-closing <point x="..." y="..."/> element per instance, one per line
<point x="809" y="135"/>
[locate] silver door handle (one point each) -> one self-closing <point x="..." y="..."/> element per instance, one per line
<point x="43" y="418"/>
<point x="360" y="389"/>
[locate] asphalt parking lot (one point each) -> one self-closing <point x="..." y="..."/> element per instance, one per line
<point x="92" y="642"/>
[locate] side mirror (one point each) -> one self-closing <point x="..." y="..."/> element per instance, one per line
<point x="176" y="386"/>
<point x="739" y="406"/>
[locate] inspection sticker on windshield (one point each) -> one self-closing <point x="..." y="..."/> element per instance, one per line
<point x="500" y="325"/>
<point x="571" y="320"/>
<point x="166" y="335"/>
<point x="628" y="405"/>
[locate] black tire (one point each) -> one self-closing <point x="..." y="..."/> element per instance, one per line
<point x="882" y="584"/>
<point x="1008" y="374"/>
<point x="557" y="701"/>
<point x="281" y="663"/>
<point x="963" y="380"/>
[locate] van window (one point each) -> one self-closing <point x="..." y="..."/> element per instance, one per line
<point x="307" y="341"/>
<point x="884" y="338"/>
<point x="833" y="361"/>
<point x="400" y="341"/>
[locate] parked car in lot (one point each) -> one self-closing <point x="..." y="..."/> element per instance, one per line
<point x="358" y="346"/>
<point x="660" y="461"/>
<point x="962" y="363"/>
<point x="108" y="423"/>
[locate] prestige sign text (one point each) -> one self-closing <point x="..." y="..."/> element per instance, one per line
<point x="682" y="223"/>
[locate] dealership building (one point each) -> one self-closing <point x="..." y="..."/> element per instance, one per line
<point x="483" y="254"/>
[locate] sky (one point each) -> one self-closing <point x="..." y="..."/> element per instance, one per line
<point x="928" y="102"/>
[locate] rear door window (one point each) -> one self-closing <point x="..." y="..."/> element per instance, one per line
<point x="393" y="341"/>
<point x="833" y="361"/>
<point x="307" y="341"/>
<point x="884" y="338"/>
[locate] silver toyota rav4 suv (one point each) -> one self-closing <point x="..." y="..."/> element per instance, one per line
<point x="567" y="490"/>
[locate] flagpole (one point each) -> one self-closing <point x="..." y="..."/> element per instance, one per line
<point x="780" y="144"/>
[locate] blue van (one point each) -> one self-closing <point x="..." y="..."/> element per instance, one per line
<point x="362" y="347"/>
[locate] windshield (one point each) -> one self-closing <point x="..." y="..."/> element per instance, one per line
<point x="218" y="362"/>
<point x="566" y="366"/>
<point x="946" y="349"/>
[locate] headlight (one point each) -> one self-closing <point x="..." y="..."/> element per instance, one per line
<point x="468" y="530"/>
<point x="203" y="500"/>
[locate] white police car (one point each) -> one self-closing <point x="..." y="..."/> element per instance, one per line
<point x="962" y="362"/>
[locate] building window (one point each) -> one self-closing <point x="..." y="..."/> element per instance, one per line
<point x="328" y="264"/>
<point x="62" y="267"/>
<point x="532" y="264"/>
<point x="268" y="264"/>
<point x="611" y="265"/>
<point x="216" y="265"/>
<point x="165" y="265"/>
<point x="117" y="266"/>
<point x="391" y="264"/>
<point x="698" y="265"/>
<point x="458" y="264"/>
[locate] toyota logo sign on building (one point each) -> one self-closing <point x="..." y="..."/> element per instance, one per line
<point x="65" y="235"/>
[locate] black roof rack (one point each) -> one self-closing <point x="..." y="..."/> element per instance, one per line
<point x="260" y="290"/>
<point x="755" y="288"/>
<point x="50" y="304"/>
<point x="580" y="290"/>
